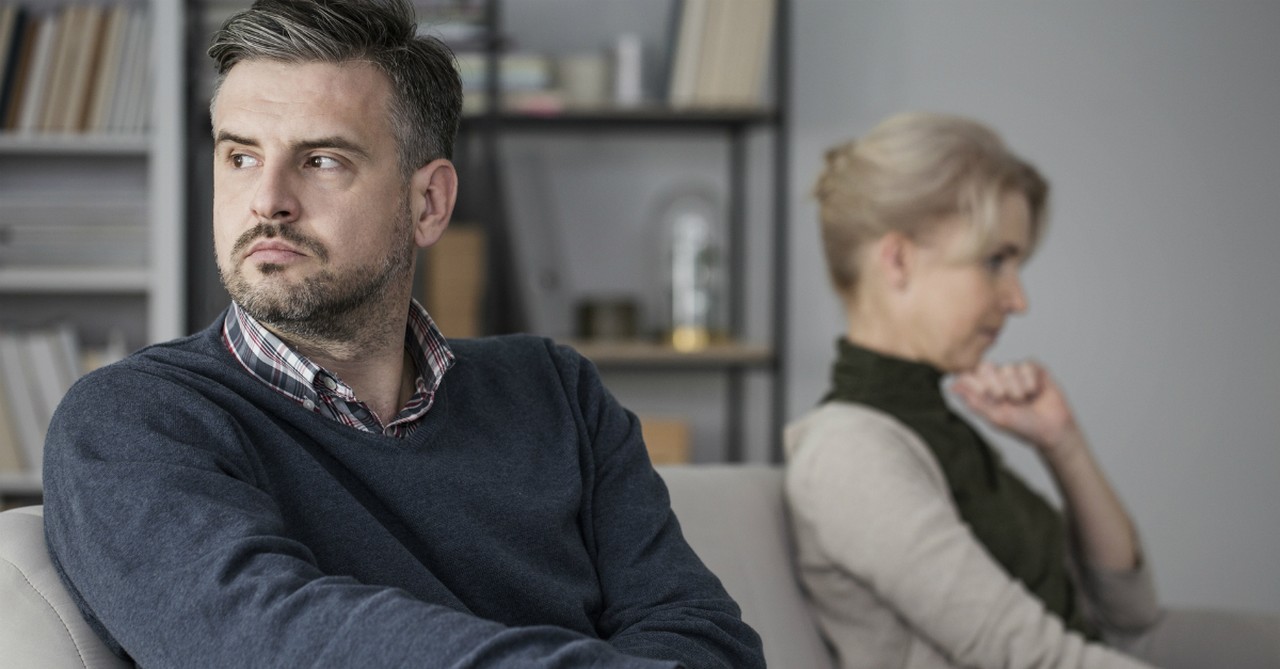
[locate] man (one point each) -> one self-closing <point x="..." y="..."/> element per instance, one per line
<point x="319" y="478"/>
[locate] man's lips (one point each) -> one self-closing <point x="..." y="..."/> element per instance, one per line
<point x="273" y="251"/>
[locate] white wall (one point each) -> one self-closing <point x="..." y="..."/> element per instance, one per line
<point x="1156" y="296"/>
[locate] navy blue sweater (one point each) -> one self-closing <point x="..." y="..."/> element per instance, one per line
<point x="200" y="518"/>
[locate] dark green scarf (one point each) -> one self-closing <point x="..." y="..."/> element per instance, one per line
<point x="1019" y="528"/>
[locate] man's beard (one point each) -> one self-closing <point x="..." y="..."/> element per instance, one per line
<point x="327" y="306"/>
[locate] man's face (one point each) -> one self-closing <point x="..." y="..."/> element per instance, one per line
<point x="310" y="211"/>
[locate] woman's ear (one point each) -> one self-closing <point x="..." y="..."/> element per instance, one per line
<point x="433" y="190"/>
<point x="893" y="256"/>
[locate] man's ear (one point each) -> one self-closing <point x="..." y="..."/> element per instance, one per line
<point x="433" y="190"/>
<point x="895" y="258"/>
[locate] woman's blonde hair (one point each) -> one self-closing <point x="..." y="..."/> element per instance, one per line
<point x="907" y="174"/>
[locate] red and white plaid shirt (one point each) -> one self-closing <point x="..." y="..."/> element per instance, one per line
<point x="291" y="374"/>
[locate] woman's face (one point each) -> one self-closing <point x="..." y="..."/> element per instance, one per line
<point x="957" y="303"/>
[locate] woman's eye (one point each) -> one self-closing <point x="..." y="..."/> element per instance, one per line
<point x="996" y="262"/>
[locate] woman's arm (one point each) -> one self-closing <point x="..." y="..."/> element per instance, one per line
<point x="1024" y="400"/>
<point x="868" y="499"/>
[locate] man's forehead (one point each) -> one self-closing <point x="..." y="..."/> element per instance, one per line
<point x="315" y="99"/>
<point x="355" y="83"/>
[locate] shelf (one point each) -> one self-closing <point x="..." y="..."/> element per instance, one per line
<point x="64" y="280"/>
<point x="664" y="118"/>
<point x="19" y="483"/>
<point x="650" y="355"/>
<point x="73" y="145"/>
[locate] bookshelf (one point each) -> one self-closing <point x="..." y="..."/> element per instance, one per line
<point x="123" y="280"/>
<point x="729" y="124"/>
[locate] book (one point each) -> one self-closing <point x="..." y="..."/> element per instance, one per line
<point x="108" y="76"/>
<point x="713" y="53"/>
<point x="84" y="57"/>
<point x="59" y="84"/>
<point x="114" y="121"/>
<point x="22" y="401"/>
<point x="732" y="54"/>
<point x="129" y="113"/>
<point x="756" y="40"/>
<point x="542" y="271"/>
<point x="10" y="32"/>
<point x="45" y="374"/>
<point x="454" y="280"/>
<point x="66" y="343"/>
<point x="666" y="439"/>
<point x="683" y="81"/>
<point x="14" y="45"/>
<point x="15" y="87"/>
<point x="11" y="458"/>
<point x="90" y="229"/>
<point x="51" y="364"/>
<point x="36" y="85"/>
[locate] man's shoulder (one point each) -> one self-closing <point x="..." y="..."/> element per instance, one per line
<point x="159" y="365"/>
<point x="505" y="351"/>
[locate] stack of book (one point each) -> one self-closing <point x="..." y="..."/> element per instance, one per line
<point x="526" y="81"/>
<point x="37" y="367"/>
<point x="81" y="230"/>
<point x="721" y="53"/>
<point x="78" y="69"/>
<point x="453" y="280"/>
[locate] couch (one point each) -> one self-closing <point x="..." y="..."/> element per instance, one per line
<point x="732" y="515"/>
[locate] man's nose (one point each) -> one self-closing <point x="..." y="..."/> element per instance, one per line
<point x="276" y="197"/>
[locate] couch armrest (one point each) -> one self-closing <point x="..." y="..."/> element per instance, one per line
<point x="40" y="625"/>
<point x="734" y="517"/>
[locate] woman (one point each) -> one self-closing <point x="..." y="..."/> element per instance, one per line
<point x="917" y="546"/>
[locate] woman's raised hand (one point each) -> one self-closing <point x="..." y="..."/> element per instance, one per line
<point x="1023" y="399"/>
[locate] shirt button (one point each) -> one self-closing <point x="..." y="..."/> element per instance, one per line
<point x="330" y="383"/>
<point x="309" y="405"/>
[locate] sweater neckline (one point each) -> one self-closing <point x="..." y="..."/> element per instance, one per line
<point x="869" y="377"/>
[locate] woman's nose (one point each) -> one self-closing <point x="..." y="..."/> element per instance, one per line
<point x="1015" y="296"/>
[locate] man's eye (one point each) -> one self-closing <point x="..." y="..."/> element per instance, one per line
<point x="240" y="161"/>
<point x="322" y="162"/>
<point x="996" y="262"/>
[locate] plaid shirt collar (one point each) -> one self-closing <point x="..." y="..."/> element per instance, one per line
<point x="291" y="374"/>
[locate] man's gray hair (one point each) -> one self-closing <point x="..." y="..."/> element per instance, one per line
<point x="426" y="99"/>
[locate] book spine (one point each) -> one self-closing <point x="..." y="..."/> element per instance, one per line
<point x="36" y="86"/>
<point x="22" y="399"/>
<point x="21" y="66"/>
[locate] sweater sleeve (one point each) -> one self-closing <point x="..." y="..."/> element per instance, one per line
<point x="158" y="525"/>
<point x="879" y="510"/>
<point x="660" y="601"/>
<point x="1118" y="601"/>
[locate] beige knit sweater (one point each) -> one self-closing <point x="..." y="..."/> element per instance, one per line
<point x="898" y="580"/>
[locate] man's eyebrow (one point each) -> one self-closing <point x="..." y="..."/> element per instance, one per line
<point x="224" y="136"/>
<point x="302" y="145"/>
<point x="330" y="143"/>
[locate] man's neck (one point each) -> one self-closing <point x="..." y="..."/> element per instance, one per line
<point x="373" y="362"/>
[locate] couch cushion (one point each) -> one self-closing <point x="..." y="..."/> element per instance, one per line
<point x="39" y="624"/>
<point x="734" y="517"/>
